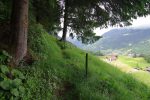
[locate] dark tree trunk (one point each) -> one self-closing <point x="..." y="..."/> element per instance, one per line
<point x="65" y="21"/>
<point x="37" y="8"/>
<point x="19" y="27"/>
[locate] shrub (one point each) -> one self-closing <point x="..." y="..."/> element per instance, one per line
<point x="11" y="83"/>
<point x="147" y="58"/>
<point x="34" y="37"/>
<point x="4" y="57"/>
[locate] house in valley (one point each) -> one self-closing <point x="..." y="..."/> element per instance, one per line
<point x="112" y="57"/>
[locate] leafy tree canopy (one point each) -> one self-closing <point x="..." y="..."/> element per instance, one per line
<point x="89" y="14"/>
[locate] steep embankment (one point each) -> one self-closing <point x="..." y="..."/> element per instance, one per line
<point x="58" y="74"/>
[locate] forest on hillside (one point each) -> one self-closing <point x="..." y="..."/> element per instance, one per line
<point x="33" y="61"/>
<point x="123" y="41"/>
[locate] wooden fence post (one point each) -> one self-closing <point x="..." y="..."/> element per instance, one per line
<point x="86" y="65"/>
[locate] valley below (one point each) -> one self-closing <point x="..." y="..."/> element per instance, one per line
<point x="138" y="67"/>
<point x="123" y="41"/>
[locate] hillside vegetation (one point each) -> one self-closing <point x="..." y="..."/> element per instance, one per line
<point x="35" y="65"/>
<point x="59" y="73"/>
<point x="122" y="41"/>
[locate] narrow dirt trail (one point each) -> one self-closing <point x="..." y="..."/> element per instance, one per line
<point x="124" y="67"/>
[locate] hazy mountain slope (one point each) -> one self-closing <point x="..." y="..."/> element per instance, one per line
<point x="127" y="38"/>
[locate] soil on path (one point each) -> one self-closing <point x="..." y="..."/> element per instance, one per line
<point x="122" y="66"/>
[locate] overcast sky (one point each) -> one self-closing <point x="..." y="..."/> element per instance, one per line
<point x="141" y="22"/>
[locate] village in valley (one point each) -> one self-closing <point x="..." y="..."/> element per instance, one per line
<point x="129" y="62"/>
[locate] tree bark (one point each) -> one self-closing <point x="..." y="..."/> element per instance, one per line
<point x="65" y="21"/>
<point x="19" y="28"/>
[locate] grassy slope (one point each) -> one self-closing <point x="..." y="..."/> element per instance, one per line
<point x="143" y="77"/>
<point x="59" y="74"/>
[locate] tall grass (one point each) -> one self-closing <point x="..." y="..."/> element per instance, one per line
<point x="59" y="74"/>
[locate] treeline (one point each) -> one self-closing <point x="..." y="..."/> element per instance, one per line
<point x="147" y="58"/>
<point x="78" y="18"/>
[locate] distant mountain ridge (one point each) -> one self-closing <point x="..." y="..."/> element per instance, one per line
<point x="122" y="40"/>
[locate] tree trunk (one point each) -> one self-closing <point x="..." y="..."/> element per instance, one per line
<point x="65" y="21"/>
<point x="19" y="27"/>
<point x="36" y="5"/>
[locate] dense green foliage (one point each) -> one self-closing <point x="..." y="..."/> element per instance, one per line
<point x="11" y="88"/>
<point x="82" y="16"/>
<point x="11" y="80"/>
<point x="5" y="9"/>
<point x="47" y="13"/>
<point x="59" y="74"/>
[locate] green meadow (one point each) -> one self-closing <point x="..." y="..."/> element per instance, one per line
<point x="138" y="62"/>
